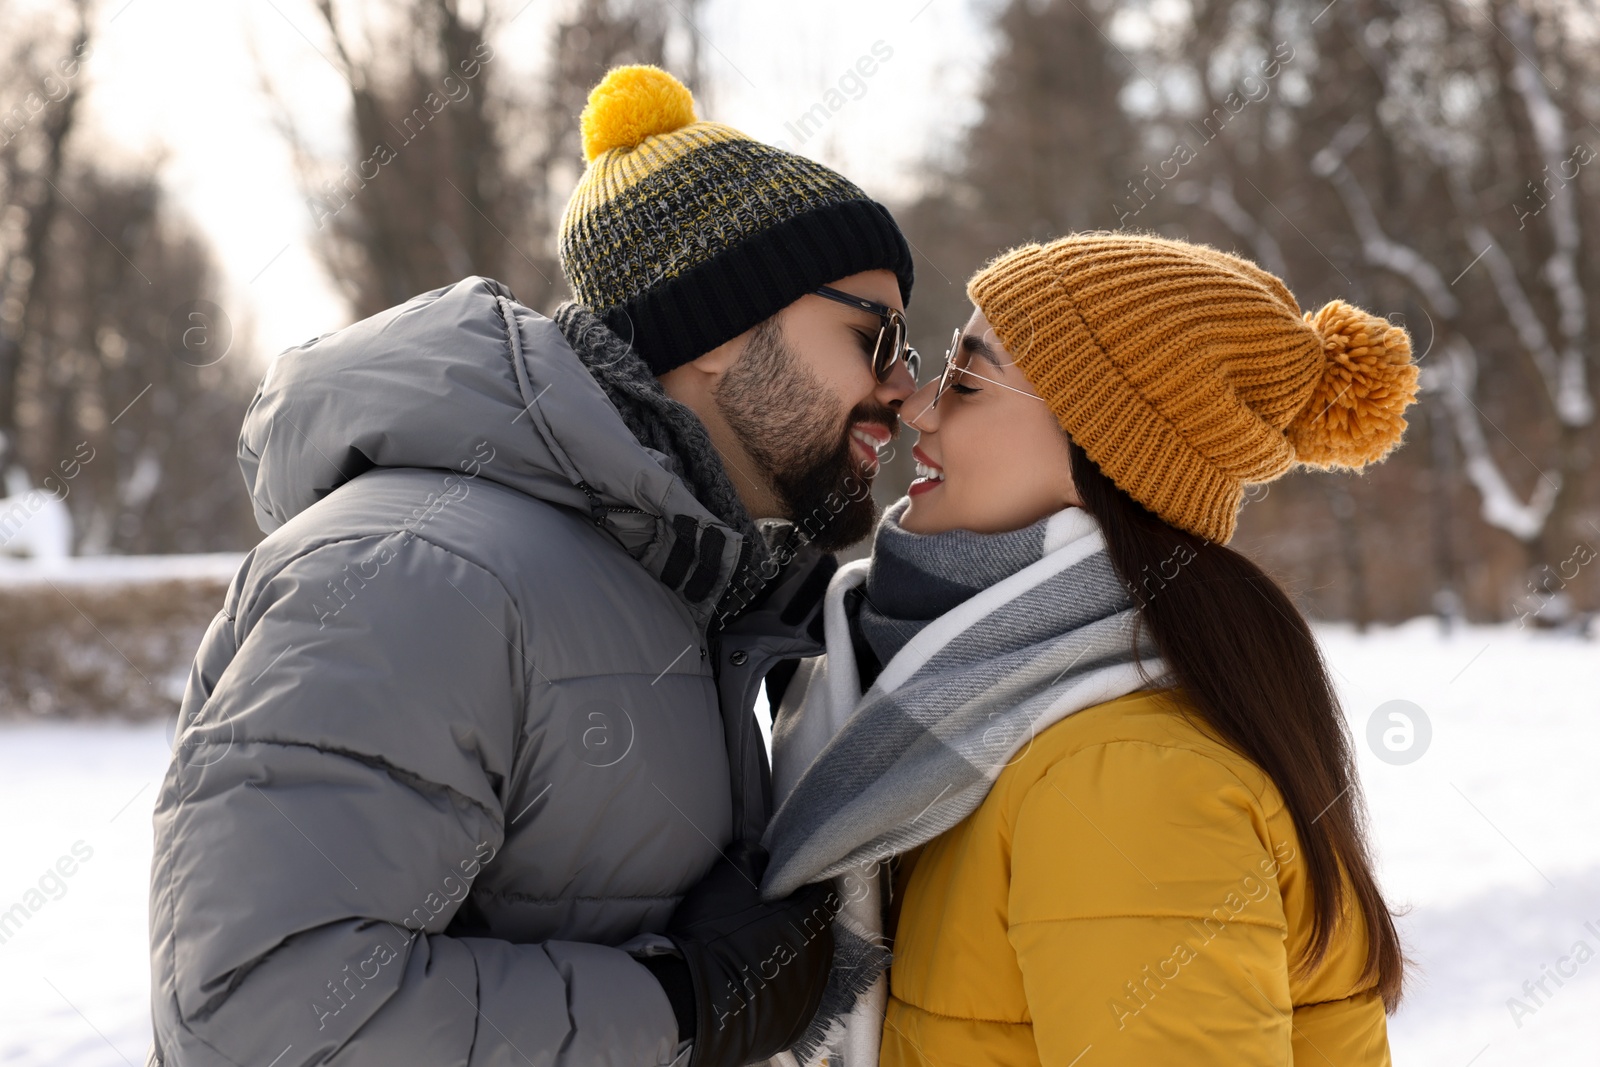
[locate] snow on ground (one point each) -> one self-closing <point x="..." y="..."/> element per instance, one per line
<point x="1491" y="837"/>
<point x="119" y="570"/>
<point x="75" y="978"/>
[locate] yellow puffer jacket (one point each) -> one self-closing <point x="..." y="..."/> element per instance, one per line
<point x="1131" y="891"/>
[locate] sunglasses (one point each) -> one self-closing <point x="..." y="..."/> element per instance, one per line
<point x="891" y="347"/>
<point x="952" y="372"/>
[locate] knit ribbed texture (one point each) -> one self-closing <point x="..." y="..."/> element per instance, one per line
<point x="1180" y="370"/>
<point x="692" y="235"/>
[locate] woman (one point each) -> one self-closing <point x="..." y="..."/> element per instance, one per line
<point x="1102" y="744"/>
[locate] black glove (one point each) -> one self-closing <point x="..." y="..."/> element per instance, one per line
<point x="757" y="970"/>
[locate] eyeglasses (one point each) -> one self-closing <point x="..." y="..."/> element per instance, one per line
<point x="951" y="372"/>
<point x="891" y="346"/>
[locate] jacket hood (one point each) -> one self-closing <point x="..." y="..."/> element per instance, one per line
<point x="466" y="379"/>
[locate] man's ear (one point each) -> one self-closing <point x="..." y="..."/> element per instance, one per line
<point x="704" y="371"/>
<point x="718" y="361"/>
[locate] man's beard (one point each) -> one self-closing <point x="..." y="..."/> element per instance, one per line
<point x="785" y="419"/>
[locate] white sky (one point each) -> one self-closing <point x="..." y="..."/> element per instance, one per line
<point x="177" y="79"/>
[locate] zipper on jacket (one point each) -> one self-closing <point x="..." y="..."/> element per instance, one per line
<point x="599" y="511"/>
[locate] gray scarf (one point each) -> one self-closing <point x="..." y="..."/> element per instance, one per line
<point x="663" y="424"/>
<point x="958" y="699"/>
<point x="915" y="578"/>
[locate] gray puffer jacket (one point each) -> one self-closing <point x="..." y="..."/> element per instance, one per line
<point x="461" y="736"/>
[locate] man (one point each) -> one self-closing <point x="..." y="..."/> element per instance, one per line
<point x="467" y="770"/>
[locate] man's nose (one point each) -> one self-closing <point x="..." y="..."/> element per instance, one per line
<point x="899" y="385"/>
<point x="918" y="411"/>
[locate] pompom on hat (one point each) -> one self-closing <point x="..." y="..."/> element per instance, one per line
<point x="1356" y="414"/>
<point x="633" y="103"/>
<point x="683" y="234"/>
<point x="1186" y="373"/>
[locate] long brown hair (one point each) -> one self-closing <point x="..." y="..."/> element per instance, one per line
<point x="1245" y="659"/>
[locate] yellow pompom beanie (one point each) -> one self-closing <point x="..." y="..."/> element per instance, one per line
<point x="1186" y="373"/>
<point x="683" y="234"/>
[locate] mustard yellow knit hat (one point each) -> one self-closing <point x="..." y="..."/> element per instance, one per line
<point x="1186" y="373"/>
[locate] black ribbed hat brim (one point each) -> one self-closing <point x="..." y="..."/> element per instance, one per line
<point x="689" y="315"/>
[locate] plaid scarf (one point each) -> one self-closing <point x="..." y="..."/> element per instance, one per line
<point x="915" y="578"/>
<point x="892" y="768"/>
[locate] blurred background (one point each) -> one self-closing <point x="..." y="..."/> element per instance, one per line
<point x="188" y="187"/>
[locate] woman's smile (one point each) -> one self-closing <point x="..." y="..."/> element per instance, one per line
<point x="929" y="474"/>
<point x="969" y="438"/>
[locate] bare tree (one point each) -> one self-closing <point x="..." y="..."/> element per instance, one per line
<point x="121" y="390"/>
<point x="1049" y="156"/>
<point x="39" y="104"/>
<point x="1525" y="303"/>
<point x="144" y="382"/>
<point x="1428" y="157"/>
<point x="456" y="170"/>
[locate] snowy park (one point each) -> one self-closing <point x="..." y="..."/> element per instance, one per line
<point x="1490" y="839"/>
<point x="1011" y="352"/>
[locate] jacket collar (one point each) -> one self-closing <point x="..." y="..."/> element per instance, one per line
<point x="466" y="379"/>
<point x="628" y="489"/>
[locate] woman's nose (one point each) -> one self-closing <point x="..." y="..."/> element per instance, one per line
<point x="918" y="411"/>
